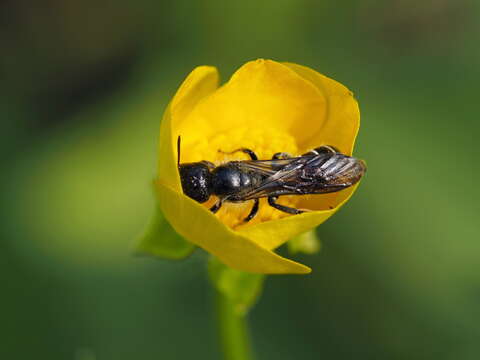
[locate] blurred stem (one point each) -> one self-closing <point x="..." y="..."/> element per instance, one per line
<point x="233" y="330"/>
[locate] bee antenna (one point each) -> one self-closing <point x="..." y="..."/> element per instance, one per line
<point x="178" y="150"/>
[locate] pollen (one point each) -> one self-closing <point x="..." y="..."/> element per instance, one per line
<point x="265" y="143"/>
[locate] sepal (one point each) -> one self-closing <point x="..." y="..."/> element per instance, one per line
<point x="161" y="240"/>
<point x="306" y="243"/>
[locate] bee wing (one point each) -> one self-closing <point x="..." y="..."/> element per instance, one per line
<point x="279" y="172"/>
<point x="317" y="174"/>
<point x="266" y="167"/>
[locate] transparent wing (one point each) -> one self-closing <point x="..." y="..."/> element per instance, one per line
<point x="316" y="174"/>
<point x="282" y="176"/>
<point x="266" y="167"/>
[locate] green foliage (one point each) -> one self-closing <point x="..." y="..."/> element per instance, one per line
<point x="242" y="289"/>
<point x="161" y="240"/>
<point x="399" y="275"/>
<point x="307" y="243"/>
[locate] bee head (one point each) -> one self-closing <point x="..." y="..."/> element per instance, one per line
<point x="196" y="180"/>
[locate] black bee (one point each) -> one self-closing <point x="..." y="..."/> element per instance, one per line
<point x="322" y="170"/>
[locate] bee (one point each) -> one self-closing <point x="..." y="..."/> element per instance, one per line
<point x="319" y="171"/>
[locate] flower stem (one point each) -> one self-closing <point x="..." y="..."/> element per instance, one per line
<point x="233" y="330"/>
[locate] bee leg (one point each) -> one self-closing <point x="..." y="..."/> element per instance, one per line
<point x="249" y="152"/>
<point x="327" y="149"/>
<point x="323" y="150"/>
<point x="216" y="206"/>
<point x="272" y="202"/>
<point x="253" y="212"/>
<point x="281" y="155"/>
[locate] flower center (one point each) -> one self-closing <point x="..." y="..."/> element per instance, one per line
<point x="265" y="143"/>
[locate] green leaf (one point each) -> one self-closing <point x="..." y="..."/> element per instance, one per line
<point x="161" y="240"/>
<point x="307" y="243"/>
<point x="241" y="288"/>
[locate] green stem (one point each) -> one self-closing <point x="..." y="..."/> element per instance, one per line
<point x="233" y="330"/>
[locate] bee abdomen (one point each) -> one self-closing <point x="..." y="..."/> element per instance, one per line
<point x="341" y="169"/>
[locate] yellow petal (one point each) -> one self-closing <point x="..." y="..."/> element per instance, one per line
<point x="342" y="121"/>
<point x="327" y="201"/>
<point x="269" y="107"/>
<point x="340" y="129"/>
<point x="272" y="234"/>
<point x="202" y="81"/>
<point x="197" y="224"/>
<point x="262" y="95"/>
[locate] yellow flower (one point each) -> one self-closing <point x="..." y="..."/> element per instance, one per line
<point x="268" y="107"/>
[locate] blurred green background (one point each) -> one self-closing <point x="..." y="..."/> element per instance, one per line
<point x="83" y="87"/>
